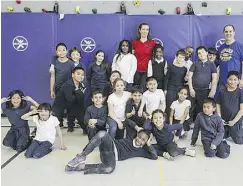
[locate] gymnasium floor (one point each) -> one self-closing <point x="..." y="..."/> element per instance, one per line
<point x="184" y="171"/>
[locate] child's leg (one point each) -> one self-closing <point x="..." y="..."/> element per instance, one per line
<point x="170" y="97"/>
<point x="120" y="132"/>
<point x="23" y="139"/>
<point x="80" y="117"/>
<point x="112" y="127"/>
<point x="207" y="150"/>
<point x="10" y="139"/>
<point x="236" y="132"/>
<point x="186" y="125"/>
<point x="201" y="94"/>
<point x="31" y="149"/>
<point x="161" y="151"/>
<point x="44" y="148"/>
<point x="70" y="120"/>
<point x="174" y="150"/>
<point x="130" y="132"/>
<point x="59" y="113"/>
<point x="102" y="139"/>
<point x="223" y="150"/>
<point x="91" y="132"/>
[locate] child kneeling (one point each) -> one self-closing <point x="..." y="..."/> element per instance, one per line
<point x="47" y="125"/>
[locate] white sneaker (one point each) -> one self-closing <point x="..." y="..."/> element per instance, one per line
<point x="190" y="152"/>
<point x="167" y="156"/>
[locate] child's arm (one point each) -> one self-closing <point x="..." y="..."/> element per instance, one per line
<point x="133" y="68"/>
<point x="237" y="117"/>
<point x="102" y="120"/>
<point x="192" y="91"/>
<point x="87" y="116"/>
<point x="4" y="100"/>
<point x="166" y="81"/>
<point x="150" y="69"/>
<point x="151" y="152"/>
<point x="52" y="81"/>
<point x="186" y="112"/>
<point x="113" y="116"/>
<point x="162" y="101"/>
<point x="58" y="129"/>
<point x="196" y="130"/>
<point x="30" y="99"/>
<point x="172" y="111"/>
<point x="218" y="109"/>
<point x="213" y="85"/>
<point x="220" y="134"/>
<point x="140" y="111"/>
<point x="29" y="115"/>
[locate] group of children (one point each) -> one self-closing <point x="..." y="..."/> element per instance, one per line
<point x="177" y="95"/>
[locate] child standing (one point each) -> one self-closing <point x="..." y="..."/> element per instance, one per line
<point x="157" y="66"/>
<point x="16" y="105"/>
<point x="116" y="108"/>
<point x="47" y="125"/>
<point x="179" y="110"/>
<point x="98" y="72"/>
<point x="132" y="107"/>
<point x="201" y="74"/>
<point x="230" y="108"/>
<point x="125" y="62"/>
<point x="163" y="134"/>
<point x="212" y="131"/>
<point x="112" y="151"/>
<point x="153" y="98"/>
<point x="175" y="78"/>
<point x="71" y="97"/>
<point x="96" y="115"/>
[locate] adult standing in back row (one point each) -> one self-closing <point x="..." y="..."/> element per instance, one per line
<point x="142" y="49"/>
<point x="230" y="56"/>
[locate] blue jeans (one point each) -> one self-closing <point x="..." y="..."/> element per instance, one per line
<point x="38" y="149"/>
<point x="114" y="131"/>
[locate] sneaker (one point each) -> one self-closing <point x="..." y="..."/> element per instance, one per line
<point x="167" y="156"/>
<point x="77" y="160"/>
<point x="61" y="125"/>
<point x="190" y="152"/>
<point x="184" y="135"/>
<point x="80" y="167"/>
<point x="70" y="129"/>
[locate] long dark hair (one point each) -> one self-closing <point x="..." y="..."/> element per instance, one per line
<point x="139" y="28"/>
<point x="23" y="103"/>
<point x="104" y="64"/>
<point x="119" y="51"/>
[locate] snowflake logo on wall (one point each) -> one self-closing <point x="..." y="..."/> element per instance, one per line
<point x="88" y="44"/>
<point x="20" y="43"/>
<point x="219" y="43"/>
<point x="158" y="41"/>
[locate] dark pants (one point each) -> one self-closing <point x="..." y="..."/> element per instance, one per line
<point x="58" y="112"/>
<point x="140" y="79"/>
<point x="107" y="155"/>
<point x="93" y="131"/>
<point x="114" y="131"/>
<point x="197" y="102"/>
<point x="186" y="124"/>
<point x="170" y="97"/>
<point x="171" y="148"/>
<point x="222" y="150"/>
<point x="235" y="132"/>
<point x="38" y="149"/>
<point x="17" y="138"/>
<point x="129" y="87"/>
<point x="130" y="132"/>
<point x="77" y="113"/>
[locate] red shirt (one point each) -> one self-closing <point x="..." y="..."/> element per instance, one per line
<point x="143" y="53"/>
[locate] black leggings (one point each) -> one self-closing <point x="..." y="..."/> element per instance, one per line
<point x="140" y="79"/>
<point x="171" y="148"/>
<point x="107" y="155"/>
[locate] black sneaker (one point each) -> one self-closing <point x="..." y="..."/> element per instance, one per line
<point x="61" y="125"/>
<point x="70" y="129"/>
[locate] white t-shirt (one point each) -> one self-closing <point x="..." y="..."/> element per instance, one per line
<point x="119" y="104"/>
<point x="153" y="99"/>
<point x="46" y="130"/>
<point x="180" y="108"/>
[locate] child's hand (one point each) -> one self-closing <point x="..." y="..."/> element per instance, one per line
<point x="4" y="100"/>
<point x="133" y="111"/>
<point x="27" y="98"/>
<point x="211" y="94"/>
<point x="193" y="145"/>
<point x="63" y="147"/>
<point x="120" y="125"/>
<point x="176" y="139"/>
<point x="213" y="147"/>
<point x="35" y="111"/>
<point x="149" y="140"/>
<point x="53" y="96"/>
<point x="165" y="92"/>
<point x="231" y="123"/>
<point x="192" y="93"/>
<point x="140" y="113"/>
<point x="138" y="128"/>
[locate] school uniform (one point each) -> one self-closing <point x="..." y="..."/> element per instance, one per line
<point x="164" y="138"/>
<point x="158" y="69"/>
<point x="44" y="139"/>
<point x="72" y="100"/>
<point x="175" y="78"/>
<point x="201" y="79"/>
<point x="230" y="102"/>
<point x="18" y="135"/>
<point x="212" y="132"/>
<point x="100" y="114"/>
<point x="112" y="151"/>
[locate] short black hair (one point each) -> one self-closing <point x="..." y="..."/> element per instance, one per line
<point x="159" y="111"/>
<point x="74" y="49"/>
<point x="210" y="101"/>
<point x="77" y="68"/>
<point x="229" y="25"/>
<point x="233" y="73"/>
<point x="45" y="106"/>
<point x="116" y="71"/>
<point x="61" y="44"/>
<point x="97" y="92"/>
<point x="181" y="52"/>
<point x="136" y="89"/>
<point x="147" y="132"/>
<point x="200" y="48"/>
<point x="151" y="78"/>
<point x="183" y="88"/>
<point x="212" y="50"/>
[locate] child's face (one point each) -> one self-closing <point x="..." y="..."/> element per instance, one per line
<point x="137" y="97"/>
<point x="114" y="76"/>
<point x="125" y="47"/>
<point x="119" y="86"/>
<point x="183" y="95"/>
<point x="61" y="51"/>
<point x="141" y="139"/>
<point x="16" y="100"/>
<point x="152" y="85"/>
<point x="44" y="114"/>
<point x="180" y="59"/>
<point x="144" y="31"/>
<point x="208" y="109"/>
<point x="100" y="57"/>
<point x="211" y="57"/>
<point x="97" y="99"/>
<point x="233" y="81"/>
<point x="159" y="53"/>
<point x="202" y="54"/>
<point x="75" y="55"/>
<point x="158" y="120"/>
<point x="78" y="75"/>
<point x="189" y="52"/>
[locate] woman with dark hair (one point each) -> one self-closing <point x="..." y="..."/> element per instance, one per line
<point x="142" y="49"/>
